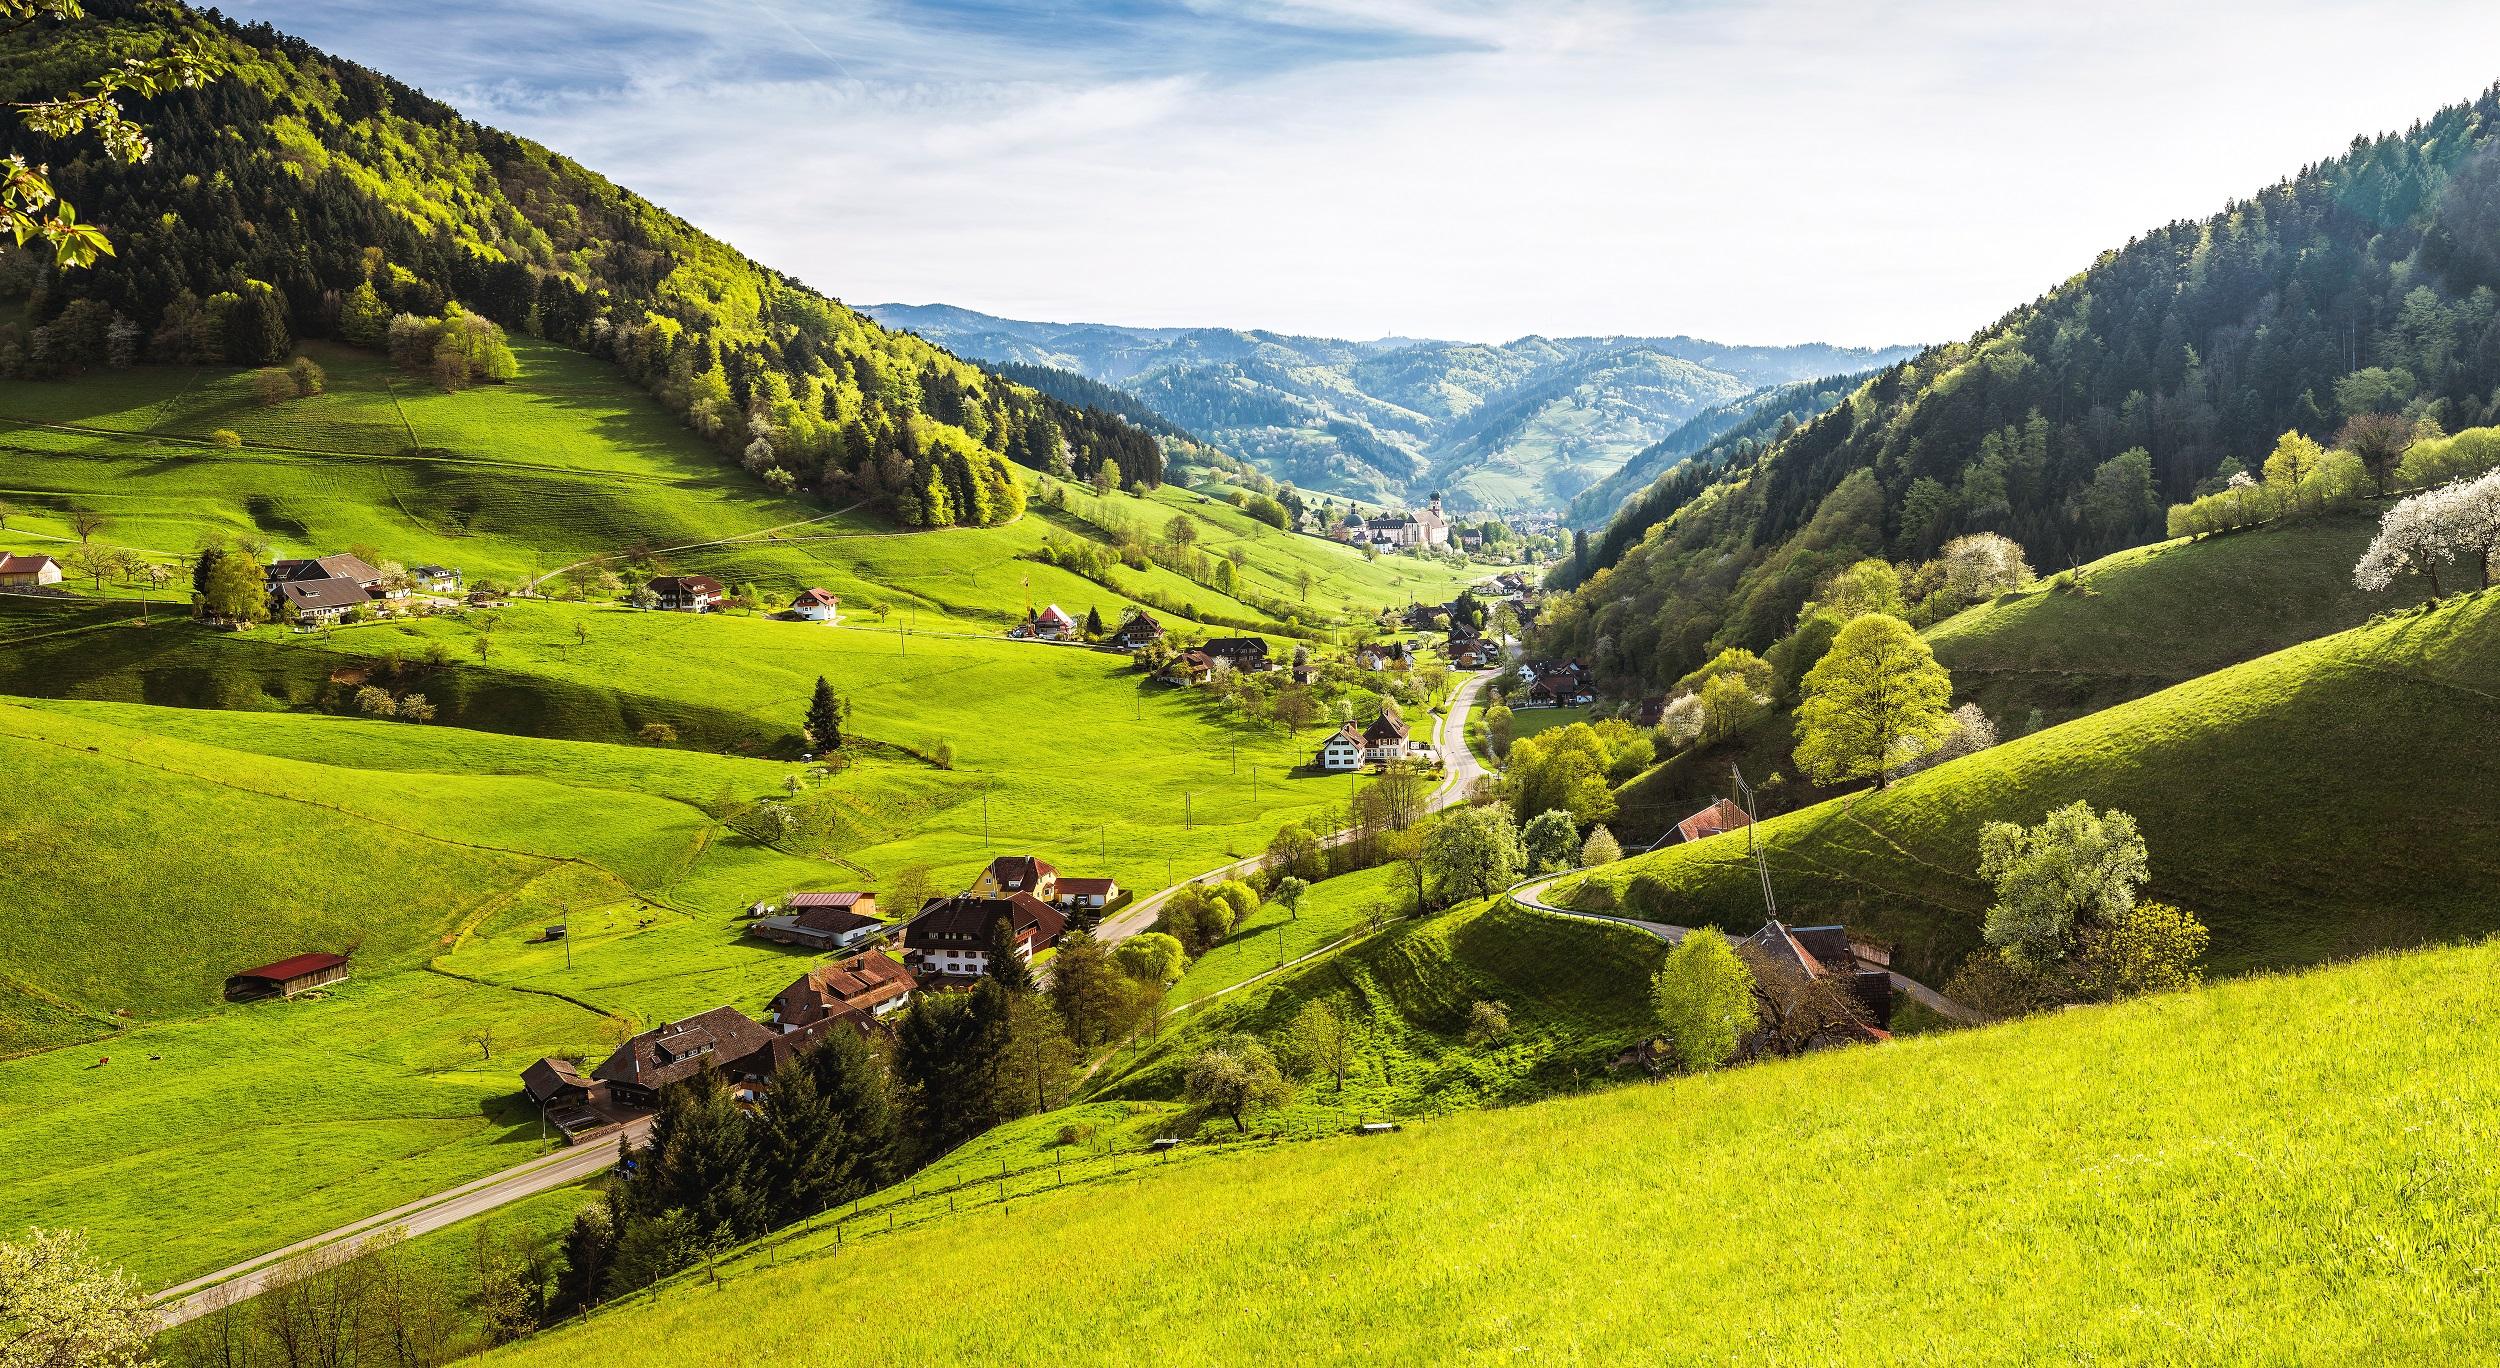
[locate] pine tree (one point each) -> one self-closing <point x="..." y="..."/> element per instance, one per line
<point x="364" y="320"/>
<point x="1009" y="969"/>
<point x="1093" y="623"/>
<point x="824" y="717"/>
<point x="852" y="1079"/>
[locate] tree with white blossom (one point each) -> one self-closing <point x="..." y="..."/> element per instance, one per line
<point x="2458" y="522"/>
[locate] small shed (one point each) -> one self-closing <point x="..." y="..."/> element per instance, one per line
<point x="287" y="977"/>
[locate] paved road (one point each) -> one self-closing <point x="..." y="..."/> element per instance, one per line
<point x="248" y="1279"/>
<point x="1460" y="769"/>
<point x="1525" y="894"/>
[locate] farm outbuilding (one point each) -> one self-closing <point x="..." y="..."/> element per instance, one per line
<point x="287" y="977"/>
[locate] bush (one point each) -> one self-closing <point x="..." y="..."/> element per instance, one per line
<point x="226" y="437"/>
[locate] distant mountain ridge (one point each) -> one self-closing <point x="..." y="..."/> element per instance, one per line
<point x="1524" y="424"/>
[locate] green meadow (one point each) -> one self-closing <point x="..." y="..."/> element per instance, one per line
<point x="570" y="463"/>
<point x="2157" y="615"/>
<point x="2149" y="1182"/>
<point x="2312" y="804"/>
<point x="1575" y="993"/>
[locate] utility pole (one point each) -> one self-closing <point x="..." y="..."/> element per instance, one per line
<point x="1185" y="810"/>
<point x="1753" y="839"/>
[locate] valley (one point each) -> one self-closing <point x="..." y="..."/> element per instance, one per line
<point x="574" y="795"/>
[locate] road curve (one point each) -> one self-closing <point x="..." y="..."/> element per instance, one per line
<point x="241" y="1282"/>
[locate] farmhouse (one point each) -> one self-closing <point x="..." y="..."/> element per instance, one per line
<point x="1241" y="653"/>
<point x="322" y="600"/>
<point x="1138" y="632"/>
<point x="949" y="943"/>
<point x="1385" y="739"/>
<point x="823" y="921"/>
<point x="688" y="593"/>
<point x="816" y="605"/>
<point x="440" y="579"/>
<point x="1722" y="815"/>
<point x="1343" y="750"/>
<point x="666" y="1054"/>
<point x="354" y="569"/>
<point x="553" y="1082"/>
<point x="1018" y="874"/>
<point x="1086" y="895"/>
<point x="1189" y="667"/>
<point x="27" y="572"/>
<point x="1048" y="624"/>
<point x="860" y="990"/>
<point x="1821" y="952"/>
<point x="289" y="976"/>
<point x="1471" y="653"/>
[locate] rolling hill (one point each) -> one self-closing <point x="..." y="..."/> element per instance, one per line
<point x="2258" y="788"/>
<point x="1522" y="425"/>
<point x="2121" y="1183"/>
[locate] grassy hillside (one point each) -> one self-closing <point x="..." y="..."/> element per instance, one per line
<point x="2155" y="616"/>
<point x="2318" y="802"/>
<point x="1575" y="992"/>
<point x="569" y="462"/>
<point x="2127" y="1184"/>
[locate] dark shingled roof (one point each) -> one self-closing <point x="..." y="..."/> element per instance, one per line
<point x="965" y="921"/>
<point x="676" y="1051"/>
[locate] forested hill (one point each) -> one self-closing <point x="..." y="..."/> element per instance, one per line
<point x="2364" y="285"/>
<point x="1524" y="424"/>
<point x="300" y="195"/>
<point x="1732" y="433"/>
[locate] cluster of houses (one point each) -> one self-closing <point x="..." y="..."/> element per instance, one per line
<point x="1019" y="902"/>
<point x="1555" y="684"/>
<point x="1421" y="529"/>
<point x="28" y="572"/>
<point x="1197" y="665"/>
<point x="704" y="594"/>
<point x="1386" y="739"/>
<point x="320" y="590"/>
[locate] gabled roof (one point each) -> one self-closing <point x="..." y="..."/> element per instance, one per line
<point x="687" y="584"/>
<point x="1237" y="646"/>
<point x="1020" y="872"/>
<point x="322" y="594"/>
<point x="1721" y="815"/>
<point x="1051" y="614"/>
<point x="1140" y="622"/>
<point x="964" y="921"/>
<point x="816" y="598"/>
<point x="1385" y="728"/>
<point x="340" y="565"/>
<point x="11" y="563"/>
<point x="294" y="966"/>
<point x="667" y="1054"/>
<point x="819" y="912"/>
<point x="1070" y="888"/>
<point x="550" y="1076"/>
<point x="860" y="983"/>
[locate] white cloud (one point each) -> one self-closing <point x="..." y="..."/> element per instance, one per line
<point x="1752" y="171"/>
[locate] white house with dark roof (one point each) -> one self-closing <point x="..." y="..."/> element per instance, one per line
<point x="816" y="605"/>
<point x="1343" y="750"/>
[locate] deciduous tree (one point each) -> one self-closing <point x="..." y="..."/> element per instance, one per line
<point x="1875" y="700"/>
<point x="1703" y="995"/>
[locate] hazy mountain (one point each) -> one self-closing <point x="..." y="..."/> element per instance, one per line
<point x="1525" y="424"/>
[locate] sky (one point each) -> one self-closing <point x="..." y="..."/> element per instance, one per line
<point x="1850" y="171"/>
